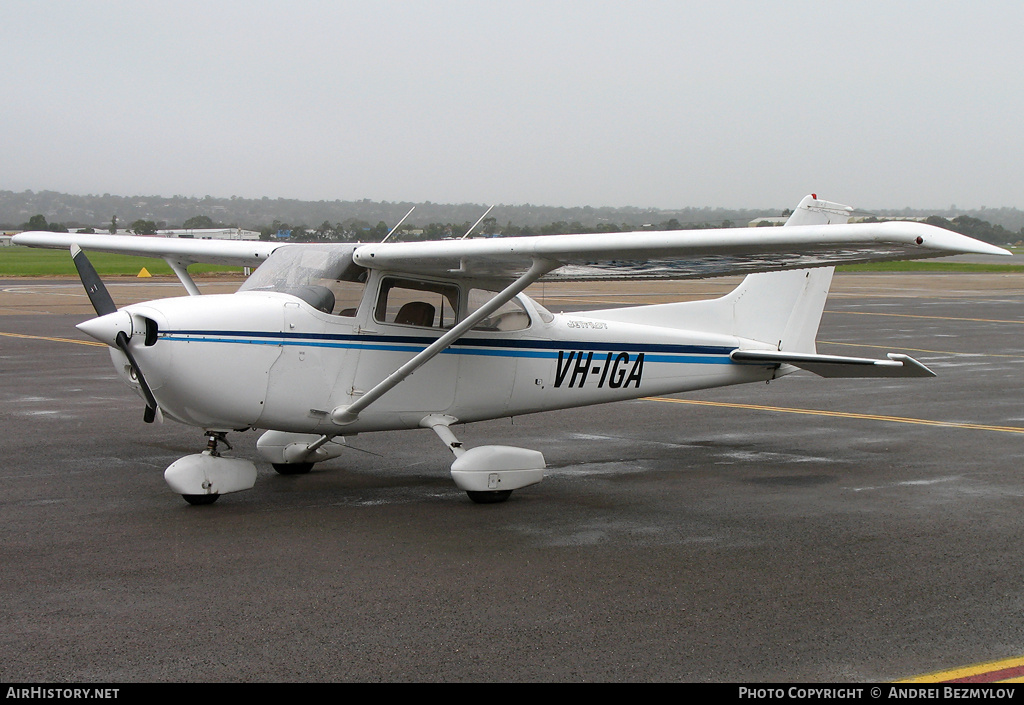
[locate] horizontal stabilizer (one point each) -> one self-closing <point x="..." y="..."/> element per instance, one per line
<point x="898" y="365"/>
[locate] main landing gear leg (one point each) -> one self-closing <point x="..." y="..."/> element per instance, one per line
<point x="488" y="474"/>
<point x="295" y="453"/>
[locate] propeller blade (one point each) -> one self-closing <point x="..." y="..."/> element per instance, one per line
<point x="98" y="294"/>
<point x="101" y="301"/>
<point x="151" y="406"/>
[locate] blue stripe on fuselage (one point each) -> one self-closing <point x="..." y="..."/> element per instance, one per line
<point x="654" y="352"/>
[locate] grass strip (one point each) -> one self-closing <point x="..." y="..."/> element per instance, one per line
<point x="33" y="262"/>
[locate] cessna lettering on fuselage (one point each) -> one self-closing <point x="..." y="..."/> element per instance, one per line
<point x="321" y="342"/>
<point x="618" y="370"/>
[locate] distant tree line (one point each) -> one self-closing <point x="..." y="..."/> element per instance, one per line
<point x="971" y="227"/>
<point x="38" y="222"/>
<point x="75" y="211"/>
<point x="978" y="229"/>
<point x="354" y="230"/>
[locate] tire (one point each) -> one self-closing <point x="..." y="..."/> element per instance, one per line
<point x="292" y="468"/>
<point x="490" y="497"/>
<point x="200" y="499"/>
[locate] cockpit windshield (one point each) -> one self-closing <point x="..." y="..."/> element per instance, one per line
<point x="303" y="265"/>
<point x="322" y="275"/>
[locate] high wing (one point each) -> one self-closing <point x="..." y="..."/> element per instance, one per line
<point x="183" y="251"/>
<point x="677" y="254"/>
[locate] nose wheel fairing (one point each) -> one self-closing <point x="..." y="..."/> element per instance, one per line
<point x="203" y="477"/>
<point x="206" y="475"/>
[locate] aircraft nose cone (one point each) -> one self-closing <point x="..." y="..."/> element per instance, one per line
<point x="106" y="328"/>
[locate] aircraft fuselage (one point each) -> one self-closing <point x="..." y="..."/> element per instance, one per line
<point x="269" y="360"/>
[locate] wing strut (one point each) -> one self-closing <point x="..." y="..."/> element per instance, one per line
<point x="347" y="414"/>
<point x="183" y="276"/>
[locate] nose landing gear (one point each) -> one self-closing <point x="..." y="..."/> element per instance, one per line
<point x="203" y="477"/>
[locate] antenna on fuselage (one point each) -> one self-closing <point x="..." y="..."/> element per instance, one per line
<point x="391" y="232"/>
<point x="479" y="220"/>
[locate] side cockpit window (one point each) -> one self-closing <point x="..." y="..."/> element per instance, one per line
<point x="417" y="303"/>
<point x="347" y="295"/>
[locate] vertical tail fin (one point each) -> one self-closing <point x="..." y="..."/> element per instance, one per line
<point x="781" y="309"/>
<point x="784" y="308"/>
<point x="813" y="211"/>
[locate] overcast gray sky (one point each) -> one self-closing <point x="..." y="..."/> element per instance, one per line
<point x="569" y="103"/>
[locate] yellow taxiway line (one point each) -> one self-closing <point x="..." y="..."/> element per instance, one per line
<point x="53" y="340"/>
<point x="1009" y="670"/>
<point x="842" y="415"/>
<point x="914" y="315"/>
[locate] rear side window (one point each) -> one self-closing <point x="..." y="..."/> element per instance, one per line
<point x="510" y="316"/>
<point x="417" y="303"/>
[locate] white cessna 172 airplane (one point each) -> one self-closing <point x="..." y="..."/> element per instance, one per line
<point x="326" y="341"/>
